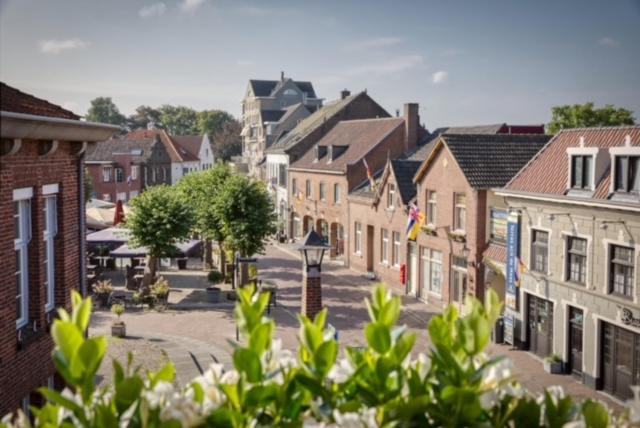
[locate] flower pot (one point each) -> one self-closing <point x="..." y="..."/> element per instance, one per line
<point x="553" y="367"/>
<point x="102" y="300"/>
<point x="118" y="329"/>
<point x="182" y="264"/>
<point x="162" y="299"/>
<point x="213" y="294"/>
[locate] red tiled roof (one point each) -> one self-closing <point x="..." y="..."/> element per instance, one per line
<point x="13" y="100"/>
<point x="177" y="152"/>
<point x="358" y="136"/>
<point x="496" y="252"/>
<point x="191" y="143"/>
<point x="547" y="172"/>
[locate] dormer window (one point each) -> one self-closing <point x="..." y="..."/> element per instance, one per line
<point x="290" y="92"/>
<point x="582" y="172"/>
<point x="391" y="195"/>
<point x="627" y="174"/>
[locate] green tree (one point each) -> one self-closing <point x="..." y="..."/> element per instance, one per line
<point x="143" y="116"/>
<point x="159" y="219"/>
<point x="88" y="186"/>
<point x="227" y="142"/>
<point x="586" y="116"/>
<point x="199" y="190"/>
<point x="104" y="110"/>
<point x="179" y="120"/>
<point x="246" y="215"/>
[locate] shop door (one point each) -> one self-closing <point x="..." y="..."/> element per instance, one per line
<point x="620" y="360"/>
<point x="458" y="279"/>
<point x="413" y="269"/>
<point x="370" y="244"/>
<point x="576" y="322"/>
<point x="540" y="320"/>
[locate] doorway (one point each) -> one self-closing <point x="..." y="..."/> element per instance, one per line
<point x="413" y="270"/>
<point x="458" y="279"/>
<point x="576" y="322"/>
<point x="540" y="326"/>
<point x="370" y="246"/>
<point x="620" y="360"/>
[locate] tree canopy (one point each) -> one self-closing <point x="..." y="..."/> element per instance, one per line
<point x="104" y="110"/>
<point x="587" y="116"/>
<point x="246" y="215"/>
<point x="179" y="120"/>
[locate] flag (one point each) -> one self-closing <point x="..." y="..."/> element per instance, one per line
<point x="129" y="180"/>
<point x="414" y="222"/>
<point x="520" y="269"/>
<point x="372" y="182"/>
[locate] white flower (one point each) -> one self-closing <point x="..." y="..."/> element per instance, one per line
<point x="495" y="383"/>
<point x="422" y="364"/>
<point x="556" y="393"/>
<point x="279" y="358"/>
<point x="230" y="378"/>
<point x="634" y="405"/>
<point x="575" y="424"/>
<point x="365" y="418"/>
<point x="341" y="371"/>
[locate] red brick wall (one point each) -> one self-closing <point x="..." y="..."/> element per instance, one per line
<point x="100" y="187"/>
<point x="22" y="370"/>
<point x="446" y="178"/>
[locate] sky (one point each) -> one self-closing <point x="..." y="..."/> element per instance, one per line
<point x="465" y="63"/>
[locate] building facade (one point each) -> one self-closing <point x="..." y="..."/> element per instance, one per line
<point x="295" y="143"/>
<point x="577" y="212"/>
<point x="41" y="235"/>
<point x="270" y="109"/>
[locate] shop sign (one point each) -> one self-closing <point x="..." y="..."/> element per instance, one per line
<point x="513" y="256"/>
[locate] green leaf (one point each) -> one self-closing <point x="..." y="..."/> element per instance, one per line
<point x="247" y="361"/>
<point x="81" y="311"/>
<point x="127" y="392"/>
<point x="165" y="374"/>
<point x="379" y="337"/>
<point x="67" y="337"/>
<point x="390" y="312"/>
<point x="325" y="357"/>
<point x="260" y="339"/>
<point x="595" y="415"/>
<point x="321" y="319"/>
<point x="403" y="346"/>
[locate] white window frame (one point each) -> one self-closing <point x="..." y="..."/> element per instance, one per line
<point x="337" y="195"/>
<point x="458" y="219"/>
<point x="308" y="190"/>
<point x="428" y="260"/>
<point x="391" y="195"/>
<point x="50" y="209"/>
<point x="106" y="174"/>
<point x="384" y="247"/>
<point x="432" y="207"/>
<point x="135" y="170"/>
<point x="358" y="238"/>
<point x="531" y="260"/>
<point x="395" y="253"/>
<point x="322" y="191"/>
<point x="23" y="198"/>
<point x="119" y="198"/>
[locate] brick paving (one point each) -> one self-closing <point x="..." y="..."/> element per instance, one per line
<point x="196" y="337"/>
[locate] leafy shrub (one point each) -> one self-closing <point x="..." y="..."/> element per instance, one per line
<point x="380" y="385"/>
<point x="160" y="288"/>
<point x="253" y="272"/>
<point x="103" y="287"/>
<point x="118" y="309"/>
<point x="215" y="277"/>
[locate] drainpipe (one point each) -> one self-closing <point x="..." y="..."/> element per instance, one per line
<point x="82" y="223"/>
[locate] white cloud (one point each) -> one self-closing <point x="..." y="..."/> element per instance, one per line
<point x="190" y="5"/>
<point x="608" y="41"/>
<point x="440" y="76"/>
<point x="374" y="43"/>
<point x="156" y="9"/>
<point x="55" y="46"/>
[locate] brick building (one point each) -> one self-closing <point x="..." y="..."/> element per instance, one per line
<point x="323" y="177"/>
<point x="41" y="234"/>
<point x="292" y="145"/>
<point x="453" y="188"/>
<point x="575" y="210"/>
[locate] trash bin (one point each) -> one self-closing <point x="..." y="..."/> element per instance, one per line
<point x="498" y="331"/>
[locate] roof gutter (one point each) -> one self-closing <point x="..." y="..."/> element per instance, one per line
<point x="29" y="126"/>
<point x="591" y="203"/>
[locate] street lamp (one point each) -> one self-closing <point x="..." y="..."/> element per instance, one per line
<point x="312" y="251"/>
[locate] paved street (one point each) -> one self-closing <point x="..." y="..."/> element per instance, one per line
<point x="193" y="339"/>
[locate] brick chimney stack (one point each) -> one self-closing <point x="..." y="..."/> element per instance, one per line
<point x="344" y="94"/>
<point x="411" y="124"/>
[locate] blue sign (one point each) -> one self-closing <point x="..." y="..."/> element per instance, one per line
<point x="509" y="328"/>
<point x="513" y="257"/>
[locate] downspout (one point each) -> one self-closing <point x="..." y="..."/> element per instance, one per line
<point x="82" y="223"/>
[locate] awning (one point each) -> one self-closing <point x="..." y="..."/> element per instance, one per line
<point x="185" y="249"/>
<point x="109" y="236"/>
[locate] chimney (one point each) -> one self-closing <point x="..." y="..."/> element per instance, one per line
<point x="344" y="94"/>
<point x="411" y="124"/>
<point x="282" y="76"/>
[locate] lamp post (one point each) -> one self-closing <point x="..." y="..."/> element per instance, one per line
<point x="312" y="250"/>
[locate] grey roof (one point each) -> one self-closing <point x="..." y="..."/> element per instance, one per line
<point x="404" y="170"/>
<point x="271" y="115"/>
<point x="423" y="151"/>
<point x="264" y="88"/>
<point x="104" y="152"/>
<point x="310" y="123"/>
<point x="492" y="160"/>
<point x="364" y="189"/>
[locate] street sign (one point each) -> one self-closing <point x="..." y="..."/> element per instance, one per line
<point x="513" y="257"/>
<point x="247" y="260"/>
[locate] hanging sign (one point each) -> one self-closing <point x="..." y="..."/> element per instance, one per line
<point x="513" y="257"/>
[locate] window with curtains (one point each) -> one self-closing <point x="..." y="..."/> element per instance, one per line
<point x="576" y="260"/>
<point x="460" y="211"/>
<point x="431" y="207"/>
<point x="119" y="175"/>
<point x="49" y="233"/>
<point x="621" y="271"/>
<point x="323" y="191"/>
<point x="384" y="253"/>
<point x="135" y="170"/>
<point x="539" y="251"/>
<point x="581" y="172"/>
<point x="106" y="174"/>
<point x="432" y="270"/>
<point x="395" y="256"/>
<point x="22" y="236"/>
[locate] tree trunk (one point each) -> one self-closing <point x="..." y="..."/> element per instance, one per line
<point x="223" y="260"/>
<point x="208" y="257"/>
<point x="150" y="271"/>
<point x="243" y="273"/>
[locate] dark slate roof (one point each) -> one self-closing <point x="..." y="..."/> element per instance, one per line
<point x="492" y="160"/>
<point x="364" y="189"/>
<point x="423" y="151"/>
<point x="264" y="88"/>
<point x="404" y="170"/>
<point x="272" y="115"/>
<point x="106" y="150"/>
<point x="16" y="101"/>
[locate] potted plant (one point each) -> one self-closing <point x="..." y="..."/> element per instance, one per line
<point x="102" y="291"/>
<point x="429" y="230"/>
<point x="213" y="292"/>
<point x="160" y="291"/>
<point x="118" y="327"/>
<point x="553" y="364"/>
<point x="253" y="274"/>
<point x="458" y="236"/>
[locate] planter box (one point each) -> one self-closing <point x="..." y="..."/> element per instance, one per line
<point x="553" y="367"/>
<point x="429" y="231"/>
<point x="457" y="237"/>
<point x="213" y="295"/>
<point x="118" y="329"/>
<point x="182" y="264"/>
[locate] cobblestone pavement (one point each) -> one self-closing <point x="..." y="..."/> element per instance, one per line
<point x="208" y="333"/>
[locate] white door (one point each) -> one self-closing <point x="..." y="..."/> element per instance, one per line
<point x="413" y="268"/>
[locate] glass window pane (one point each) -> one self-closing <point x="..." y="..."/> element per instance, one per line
<point x="586" y="174"/>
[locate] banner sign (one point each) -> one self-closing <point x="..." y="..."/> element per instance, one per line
<point x="513" y="257"/>
<point x="509" y="327"/>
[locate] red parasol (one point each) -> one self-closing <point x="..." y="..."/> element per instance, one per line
<point x="119" y="214"/>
